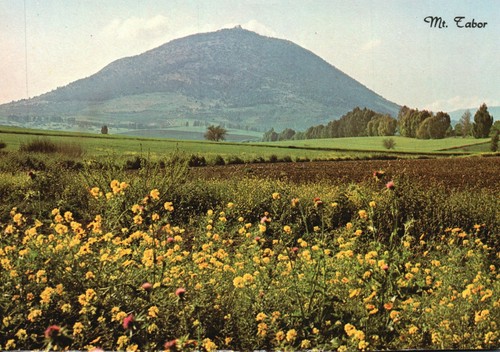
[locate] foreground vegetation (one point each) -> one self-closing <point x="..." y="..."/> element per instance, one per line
<point x="104" y="257"/>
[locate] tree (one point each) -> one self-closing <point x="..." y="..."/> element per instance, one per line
<point x="465" y="124"/>
<point x="270" y="136"/>
<point x="215" y="133"/>
<point x="482" y="122"/>
<point x="104" y="129"/>
<point x="494" y="142"/>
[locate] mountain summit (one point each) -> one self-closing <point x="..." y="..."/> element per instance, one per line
<point x="232" y="76"/>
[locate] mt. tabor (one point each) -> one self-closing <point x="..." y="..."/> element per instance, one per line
<point x="233" y="77"/>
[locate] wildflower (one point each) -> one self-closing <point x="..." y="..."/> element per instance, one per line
<point x="390" y="185"/>
<point x="147" y="286"/>
<point x="317" y="202"/>
<point x="481" y="316"/>
<point x="276" y="196"/>
<point x="34" y="314"/>
<point x="170" y="345"/>
<point x="295" y="202"/>
<point x="180" y="292"/>
<point x="77" y="328"/>
<point x="291" y="335"/>
<point x="372" y="204"/>
<point x="363" y="214"/>
<point x="280" y="335"/>
<point x="261" y="316"/>
<point x="305" y="344"/>
<point x="10" y="344"/>
<point x="287" y="229"/>
<point x="21" y="334"/>
<point x="155" y="194"/>
<point x="153" y="312"/>
<point x="52" y="332"/>
<point x="262" y="329"/>
<point x="209" y="345"/>
<point x="128" y="321"/>
<point x="168" y="206"/>
<point x="412" y="330"/>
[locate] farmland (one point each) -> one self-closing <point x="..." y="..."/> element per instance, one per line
<point x="98" y="251"/>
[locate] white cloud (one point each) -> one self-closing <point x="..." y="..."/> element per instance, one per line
<point x="459" y="102"/>
<point x="136" y="27"/>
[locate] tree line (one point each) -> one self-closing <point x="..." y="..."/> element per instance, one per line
<point x="413" y="123"/>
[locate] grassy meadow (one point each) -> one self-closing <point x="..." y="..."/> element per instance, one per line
<point x="99" y="253"/>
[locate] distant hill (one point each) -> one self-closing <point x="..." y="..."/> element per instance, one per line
<point x="232" y="76"/>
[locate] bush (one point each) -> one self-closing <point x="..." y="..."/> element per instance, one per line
<point x="389" y="143"/>
<point x="197" y="160"/>
<point x="3" y="145"/>
<point x="219" y="160"/>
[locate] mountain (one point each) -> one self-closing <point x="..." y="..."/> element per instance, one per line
<point x="232" y="76"/>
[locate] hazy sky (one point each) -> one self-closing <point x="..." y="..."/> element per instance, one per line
<point x="385" y="45"/>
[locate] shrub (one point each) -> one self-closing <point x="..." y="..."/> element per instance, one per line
<point x="219" y="160"/>
<point x="3" y="145"/>
<point x="197" y="160"/>
<point x="389" y="143"/>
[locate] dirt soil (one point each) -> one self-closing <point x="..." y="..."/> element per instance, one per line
<point x="471" y="172"/>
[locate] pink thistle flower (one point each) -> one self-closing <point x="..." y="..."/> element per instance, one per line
<point x="385" y="267"/>
<point x="171" y="345"/>
<point x="52" y="331"/>
<point x="128" y="321"/>
<point x="317" y="202"/>
<point x="147" y="286"/>
<point x="170" y="240"/>
<point x="390" y="185"/>
<point x="180" y="292"/>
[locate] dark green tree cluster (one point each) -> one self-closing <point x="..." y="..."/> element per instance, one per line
<point x="423" y="124"/>
<point x="356" y="123"/>
<point x="482" y="122"/>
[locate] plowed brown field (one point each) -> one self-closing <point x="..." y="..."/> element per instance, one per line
<point x="473" y="172"/>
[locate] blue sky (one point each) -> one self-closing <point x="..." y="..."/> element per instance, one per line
<point x="385" y="45"/>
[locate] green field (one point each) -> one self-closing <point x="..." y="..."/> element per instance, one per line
<point x="95" y="145"/>
<point x="403" y="144"/>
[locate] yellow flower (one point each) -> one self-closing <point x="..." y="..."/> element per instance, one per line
<point x="363" y="214"/>
<point x="481" y="316"/>
<point x="155" y="194"/>
<point x="349" y="329"/>
<point x="291" y="335"/>
<point x="261" y="316"/>
<point x="77" y="328"/>
<point x="280" y="336"/>
<point x="121" y="342"/>
<point x="209" y="345"/>
<point x="287" y="229"/>
<point x="238" y="282"/>
<point x="21" y="334"/>
<point x="168" y="206"/>
<point x="10" y="344"/>
<point x="46" y="295"/>
<point x="262" y="329"/>
<point x="34" y="314"/>
<point x="305" y="344"/>
<point x="412" y="330"/>
<point x="94" y="192"/>
<point x="153" y="312"/>
<point x="66" y="308"/>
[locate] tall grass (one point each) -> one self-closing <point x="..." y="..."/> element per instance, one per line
<point x="47" y="146"/>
